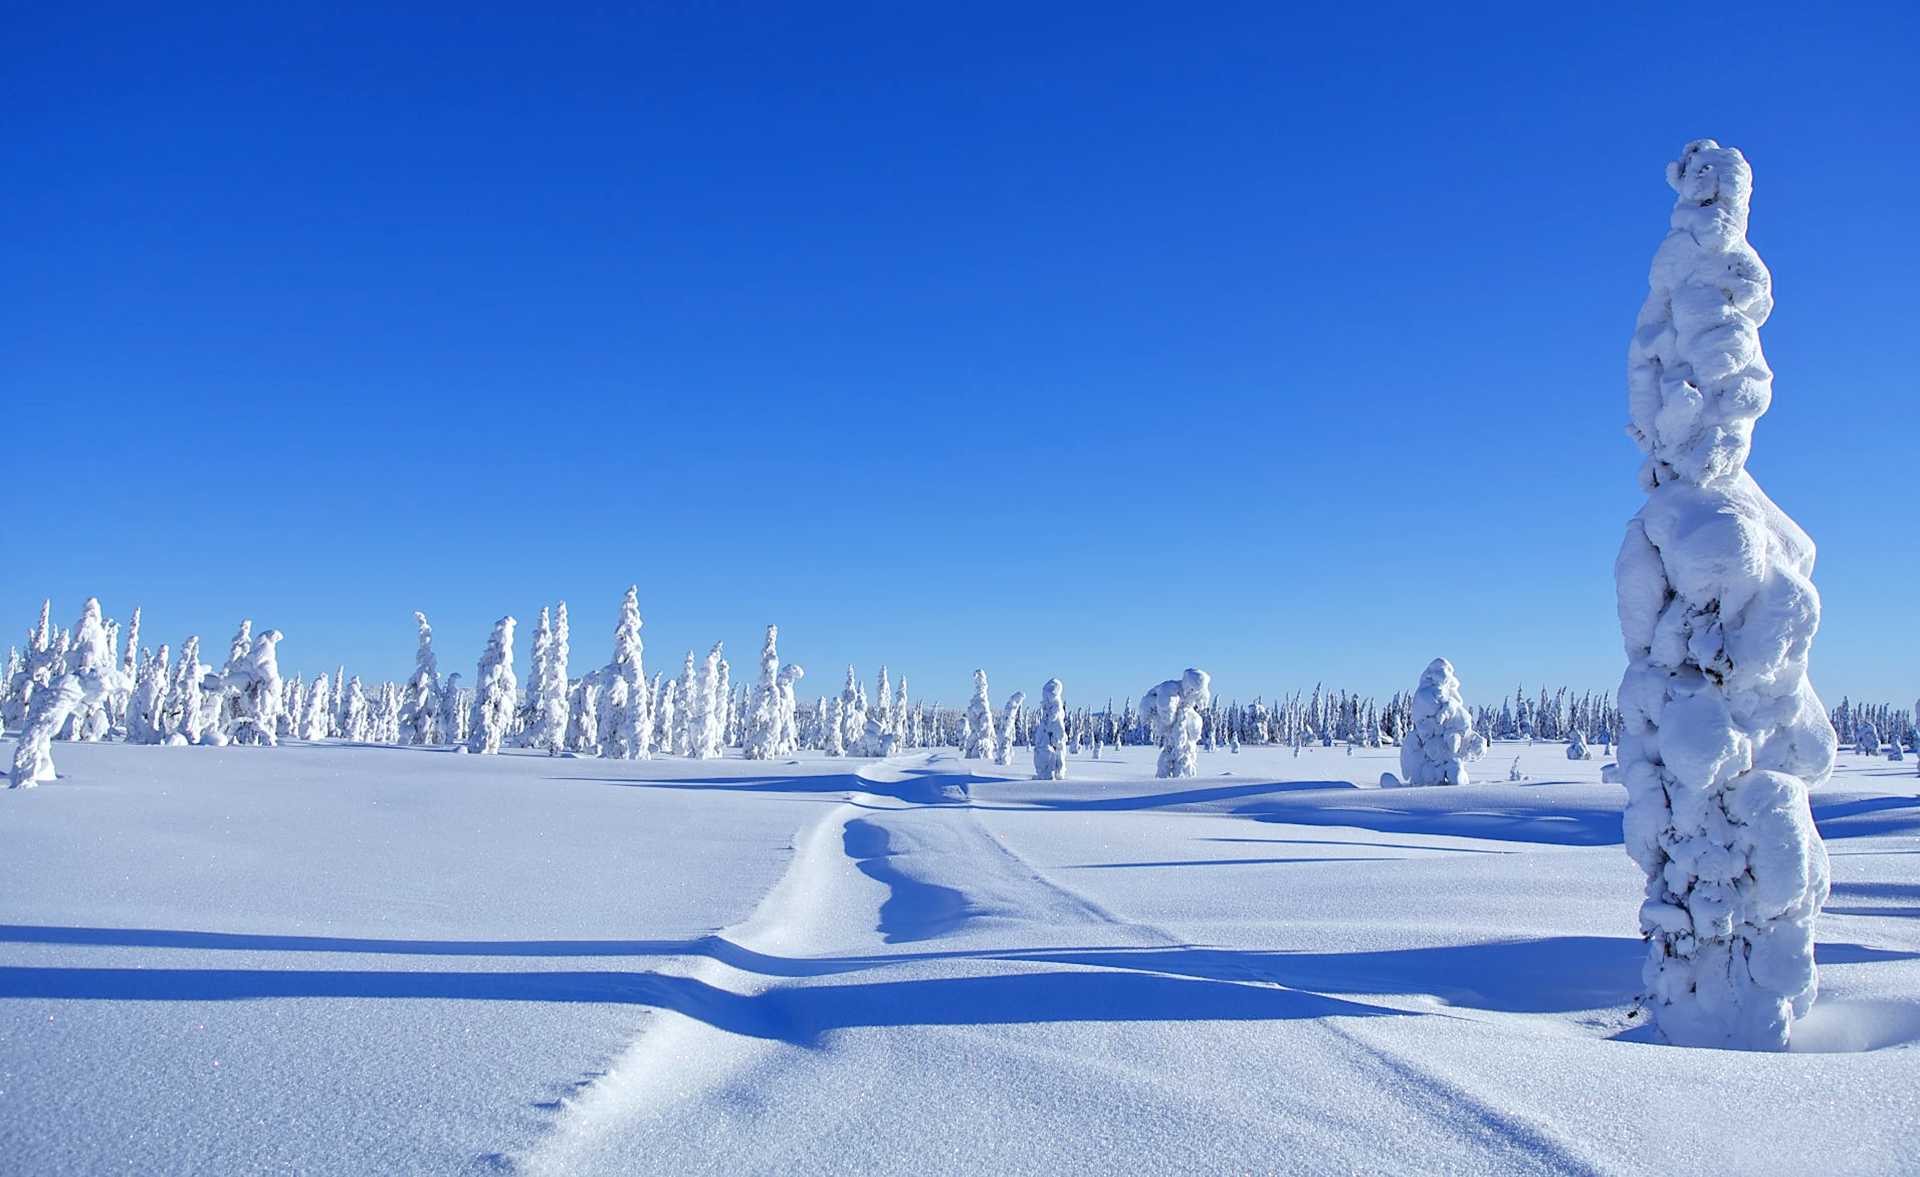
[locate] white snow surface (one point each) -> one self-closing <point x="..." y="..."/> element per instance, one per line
<point x="323" y="958"/>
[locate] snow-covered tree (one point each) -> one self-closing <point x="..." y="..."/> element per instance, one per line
<point x="704" y="724"/>
<point x="1009" y="725"/>
<point x="1174" y="712"/>
<point x="386" y="715"/>
<point x="1866" y="739"/>
<point x="356" y="716"/>
<point x="34" y="671"/>
<point x="978" y="734"/>
<point x="852" y="711"/>
<point x="1441" y="740"/>
<point x="91" y="655"/>
<point x="788" y="740"/>
<point x="762" y="740"/>
<point x="827" y="715"/>
<point x="493" y="700"/>
<point x="1722" y="734"/>
<point x="683" y="707"/>
<point x="148" y="702"/>
<point x="626" y="719"/>
<point x="260" y="700"/>
<point x="420" y="709"/>
<point x="1577" y="747"/>
<point x="1050" y="738"/>
<point x="456" y="712"/>
<point x="882" y="709"/>
<point x="667" y="720"/>
<point x="82" y="688"/>
<point x="317" y="722"/>
<point x="547" y="685"/>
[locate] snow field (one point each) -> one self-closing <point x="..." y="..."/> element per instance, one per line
<point x="406" y="960"/>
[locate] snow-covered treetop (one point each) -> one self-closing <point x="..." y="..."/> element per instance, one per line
<point x="626" y="638"/>
<point x="426" y="666"/>
<point x="1696" y="378"/>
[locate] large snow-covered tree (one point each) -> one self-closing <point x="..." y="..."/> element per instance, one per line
<point x="762" y="740"/>
<point x="1050" y="738"/>
<point x="626" y="719"/>
<point x="420" y="709"/>
<point x="1175" y="714"/>
<point x="1441" y="739"/>
<point x="547" y="685"/>
<point x="1722" y="734"/>
<point x="493" y="699"/>
<point x="705" y="724"/>
<point x="978" y="734"/>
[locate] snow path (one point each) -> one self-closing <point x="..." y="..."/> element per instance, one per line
<point x="874" y="885"/>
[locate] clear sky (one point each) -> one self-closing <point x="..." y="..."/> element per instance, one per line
<point x="1091" y="340"/>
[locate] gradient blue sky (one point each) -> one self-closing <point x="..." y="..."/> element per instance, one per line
<point x="1089" y="340"/>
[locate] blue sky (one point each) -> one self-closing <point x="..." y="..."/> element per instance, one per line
<point x="1089" y="340"/>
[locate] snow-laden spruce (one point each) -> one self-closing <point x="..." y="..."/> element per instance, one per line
<point x="1009" y="727"/>
<point x="762" y="740"/>
<point x="1722" y="733"/>
<point x="1175" y="713"/>
<point x="1441" y="739"/>
<point x="977" y="736"/>
<point x="1577" y="747"/>
<point x="493" y="699"/>
<point x="316" y="722"/>
<point x="1866" y="740"/>
<point x="356" y="718"/>
<point x="420" y="710"/>
<point x="787" y="735"/>
<point x="853" y="713"/>
<point x="1050" y="738"/>
<point x="704" y="724"/>
<point x="145" y="710"/>
<point x="626" y="722"/>
<point x="547" y="688"/>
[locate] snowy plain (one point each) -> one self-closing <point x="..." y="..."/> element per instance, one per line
<point x="332" y="958"/>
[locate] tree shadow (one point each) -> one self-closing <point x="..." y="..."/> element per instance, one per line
<point x="798" y="1015"/>
<point x="1580" y="828"/>
<point x="1867" y="817"/>
<point x="1199" y="796"/>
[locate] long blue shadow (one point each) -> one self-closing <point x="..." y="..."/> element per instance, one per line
<point x="1184" y="797"/>
<point x="1579" y="828"/>
<point x="797" y="1015"/>
<point x="1240" y="861"/>
<point x="1867" y="817"/>
<point x="1547" y="975"/>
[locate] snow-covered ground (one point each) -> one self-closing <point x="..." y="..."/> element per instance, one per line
<point x="348" y="959"/>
